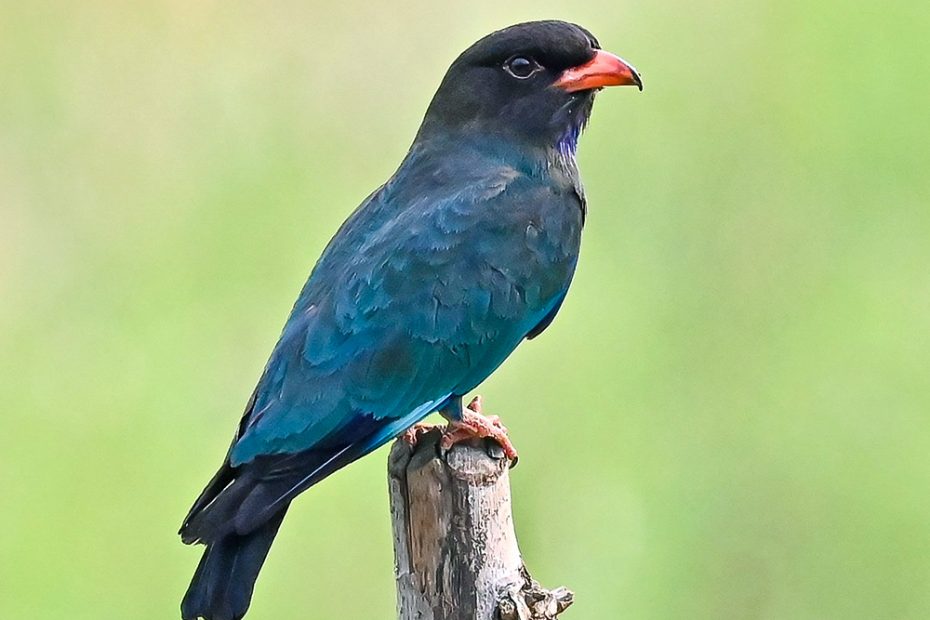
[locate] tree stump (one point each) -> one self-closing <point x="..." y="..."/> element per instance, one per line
<point x="455" y="550"/>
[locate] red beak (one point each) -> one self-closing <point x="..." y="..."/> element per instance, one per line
<point x="604" y="69"/>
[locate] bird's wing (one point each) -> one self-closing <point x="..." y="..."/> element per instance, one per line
<point x="383" y="326"/>
<point x="422" y="293"/>
<point x="547" y="320"/>
<point x="417" y="299"/>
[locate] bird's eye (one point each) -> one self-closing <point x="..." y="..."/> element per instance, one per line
<point x="521" y="67"/>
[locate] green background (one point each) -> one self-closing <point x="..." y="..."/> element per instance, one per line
<point x="729" y="418"/>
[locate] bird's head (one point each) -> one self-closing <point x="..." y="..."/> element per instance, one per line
<point x="533" y="83"/>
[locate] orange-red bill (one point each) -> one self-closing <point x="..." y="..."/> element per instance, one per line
<point x="604" y="69"/>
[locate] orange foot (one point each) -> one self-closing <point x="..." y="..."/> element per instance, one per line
<point x="412" y="435"/>
<point x="475" y="425"/>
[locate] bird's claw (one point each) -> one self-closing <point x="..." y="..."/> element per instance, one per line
<point x="475" y="425"/>
<point x="412" y="435"/>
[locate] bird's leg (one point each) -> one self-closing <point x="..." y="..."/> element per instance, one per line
<point x="469" y="423"/>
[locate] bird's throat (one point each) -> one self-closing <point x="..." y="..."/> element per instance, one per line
<point x="567" y="144"/>
<point x="571" y="120"/>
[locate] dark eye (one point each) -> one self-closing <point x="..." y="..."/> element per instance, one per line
<point x="521" y="67"/>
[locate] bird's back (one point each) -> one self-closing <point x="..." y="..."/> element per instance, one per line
<point x="424" y="291"/>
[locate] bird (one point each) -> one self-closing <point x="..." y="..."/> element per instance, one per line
<point x="423" y="292"/>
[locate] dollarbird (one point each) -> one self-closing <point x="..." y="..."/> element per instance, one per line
<point x="466" y="251"/>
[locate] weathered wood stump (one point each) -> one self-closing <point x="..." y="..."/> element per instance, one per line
<point x="455" y="550"/>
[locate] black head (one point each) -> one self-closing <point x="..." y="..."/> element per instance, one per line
<point x="533" y="83"/>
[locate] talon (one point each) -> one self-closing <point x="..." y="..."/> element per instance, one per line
<point x="412" y="435"/>
<point x="474" y="425"/>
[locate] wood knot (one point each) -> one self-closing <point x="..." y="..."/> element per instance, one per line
<point x="530" y="601"/>
<point x="480" y="462"/>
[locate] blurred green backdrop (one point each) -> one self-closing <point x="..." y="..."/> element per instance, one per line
<point x="729" y="419"/>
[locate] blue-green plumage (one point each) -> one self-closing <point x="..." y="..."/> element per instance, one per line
<point x="425" y="304"/>
<point x="424" y="291"/>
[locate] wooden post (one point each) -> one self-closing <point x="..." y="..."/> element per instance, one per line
<point x="455" y="550"/>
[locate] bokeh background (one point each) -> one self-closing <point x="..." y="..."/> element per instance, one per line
<point x="729" y="419"/>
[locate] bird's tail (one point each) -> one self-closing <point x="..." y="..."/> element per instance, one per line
<point x="222" y="586"/>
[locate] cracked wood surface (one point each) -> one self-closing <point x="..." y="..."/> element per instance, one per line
<point x="455" y="549"/>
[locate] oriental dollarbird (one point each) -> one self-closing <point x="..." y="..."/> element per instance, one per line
<point x="424" y="291"/>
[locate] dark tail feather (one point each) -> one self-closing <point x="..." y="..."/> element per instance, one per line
<point x="222" y="586"/>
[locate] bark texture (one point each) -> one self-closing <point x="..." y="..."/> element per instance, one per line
<point x="455" y="550"/>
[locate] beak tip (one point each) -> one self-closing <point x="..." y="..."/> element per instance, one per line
<point x="637" y="79"/>
<point x="605" y="69"/>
